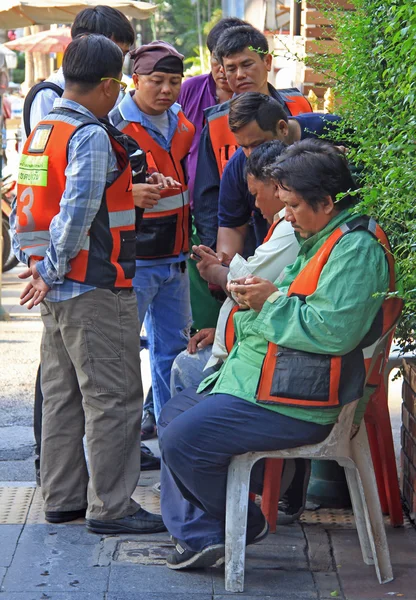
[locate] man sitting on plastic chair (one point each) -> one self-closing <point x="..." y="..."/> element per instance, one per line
<point x="302" y="347"/>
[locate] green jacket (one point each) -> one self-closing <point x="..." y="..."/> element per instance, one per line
<point x="333" y="320"/>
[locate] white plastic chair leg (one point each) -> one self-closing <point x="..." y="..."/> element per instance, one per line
<point x="236" y="522"/>
<point x="376" y="530"/>
<point x="359" y="514"/>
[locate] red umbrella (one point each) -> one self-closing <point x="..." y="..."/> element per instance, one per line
<point x="52" y="40"/>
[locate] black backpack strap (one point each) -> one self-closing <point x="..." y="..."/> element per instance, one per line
<point x="43" y="85"/>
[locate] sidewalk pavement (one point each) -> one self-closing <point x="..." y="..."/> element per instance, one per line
<point x="316" y="559"/>
<point x="303" y="561"/>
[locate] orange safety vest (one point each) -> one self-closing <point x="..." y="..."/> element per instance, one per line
<point x="107" y="259"/>
<point x="165" y="228"/>
<point x="222" y="138"/>
<point x="304" y="379"/>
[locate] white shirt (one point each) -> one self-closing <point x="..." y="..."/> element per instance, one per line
<point x="268" y="262"/>
<point x="161" y="122"/>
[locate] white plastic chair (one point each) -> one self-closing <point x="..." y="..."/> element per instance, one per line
<point x="354" y="455"/>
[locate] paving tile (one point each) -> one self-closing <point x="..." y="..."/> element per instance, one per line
<point x="243" y="596"/>
<point x="327" y="584"/>
<point x="51" y="596"/>
<point x="56" y="558"/>
<point x="359" y="581"/>
<point x="158" y="596"/>
<point x="319" y="549"/>
<point x="131" y="578"/>
<point x="9" y="538"/>
<point x="282" y="585"/>
<point x="285" y="557"/>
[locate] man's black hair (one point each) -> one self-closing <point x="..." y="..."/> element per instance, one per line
<point x="262" y="157"/>
<point x="253" y="106"/>
<point x="218" y="29"/>
<point x="104" y="20"/>
<point x="315" y="169"/>
<point x="89" y="58"/>
<point x="237" y="39"/>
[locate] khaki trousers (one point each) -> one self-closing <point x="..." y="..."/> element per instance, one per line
<point x="91" y="384"/>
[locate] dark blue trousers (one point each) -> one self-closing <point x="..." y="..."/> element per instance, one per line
<point x="198" y="435"/>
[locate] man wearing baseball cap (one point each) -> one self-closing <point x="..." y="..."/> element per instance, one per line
<point x="152" y="117"/>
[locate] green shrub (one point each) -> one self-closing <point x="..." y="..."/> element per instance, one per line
<point x="375" y="78"/>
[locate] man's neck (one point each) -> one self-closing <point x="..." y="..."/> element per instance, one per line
<point x="265" y="89"/>
<point x="295" y="132"/>
<point x="83" y="100"/>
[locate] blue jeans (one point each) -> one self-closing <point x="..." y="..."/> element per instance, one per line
<point x="164" y="306"/>
<point x="198" y="436"/>
<point x="188" y="370"/>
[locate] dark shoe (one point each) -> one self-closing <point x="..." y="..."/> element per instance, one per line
<point x="63" y="516"/>
<point x="256" y="533"/>
<point x="293" y="502"/>
<point x="149" y="429"/>
<point x="211" y="556"/>
<point x="149" y="462"/>
<point x="140" y="522"/>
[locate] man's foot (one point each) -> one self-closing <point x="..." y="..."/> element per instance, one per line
<point x="257" y="532"/>
<point x="148" y="461"/>
<point x="156" y="489"/>
<point x="181" y="558"/>
<point x="149" y="429"/>
<point x="293" y="502"/>
<point x="288" y="514"/>
<point x="211" y="556"/>
<point x="140" y="522"/>
<point x="63" y="516"/>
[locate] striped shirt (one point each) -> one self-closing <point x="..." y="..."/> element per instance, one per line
<point x="92" y="165"/>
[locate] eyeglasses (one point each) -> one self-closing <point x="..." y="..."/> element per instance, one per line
<point x="123" y="85"/>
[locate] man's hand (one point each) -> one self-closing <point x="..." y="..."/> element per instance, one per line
<point x="162" y="181"/>
<point x="201" y="340"/>
<point x="251" y="292"/>
<point x="210" y="266"/>
<point x="36" y="289"/>
<point x="146" y="195"/>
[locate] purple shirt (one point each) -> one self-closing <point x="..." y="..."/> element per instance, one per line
<point x="197" y="94"/>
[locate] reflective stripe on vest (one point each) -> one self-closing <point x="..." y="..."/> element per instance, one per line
<point x="164" y="230"/>
<point x="167" y="203"/>
<point x="107" y="257"/>
<point x="327" y="381"/>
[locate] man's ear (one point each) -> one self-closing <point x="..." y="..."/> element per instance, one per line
<point x="135" y="78"/>
<point x="282" y="130"/>
<point x="106" y="86"/>
<point x="327" y="205"/>
<point x="268" y="61"/>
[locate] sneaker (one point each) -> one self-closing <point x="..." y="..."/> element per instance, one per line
<point x="156" y="489"/>
<point x="140" y="522"/>
<point x="181" y="558"/>
<point x="148" y="427"/>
